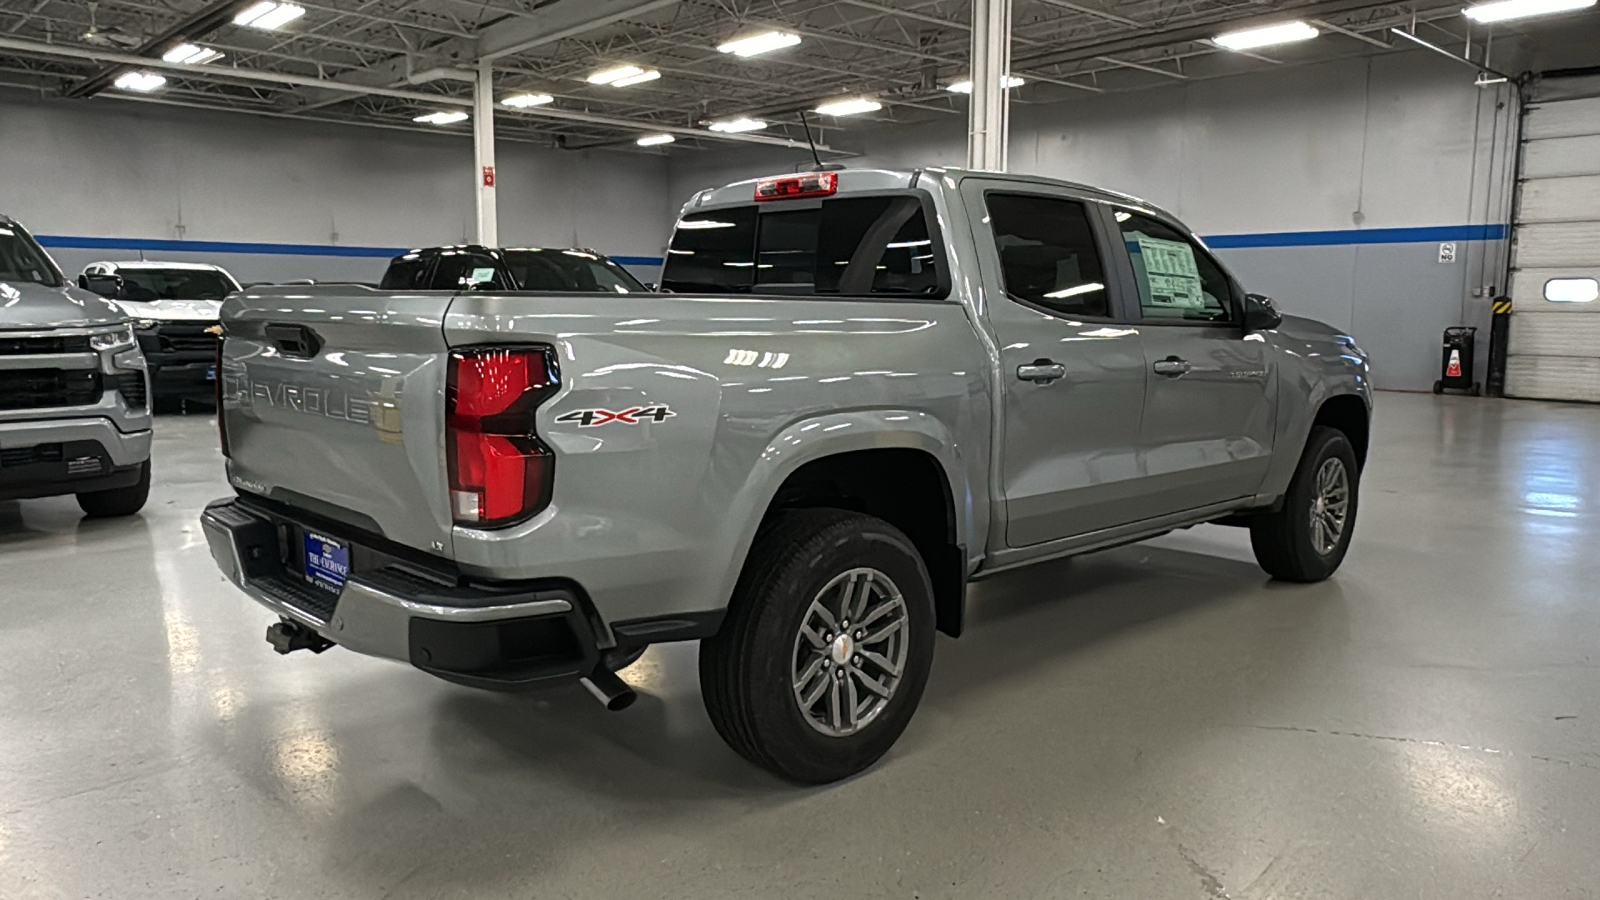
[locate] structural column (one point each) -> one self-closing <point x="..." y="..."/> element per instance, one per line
<point x="989" y="114"/>
<point x="483" y="152"/>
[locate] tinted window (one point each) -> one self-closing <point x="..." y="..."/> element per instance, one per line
<point x="712" y="252"/>
<point x="22" y="260"/>
<point x="1048" y="255"/>
<point x="1177" y="280"/>
<point x="568" y="271"/>
<point x="847" y="245"/>
<point x="468" y="270"/>
<point x="405" y="273"/>
<point x="146" y="285"/>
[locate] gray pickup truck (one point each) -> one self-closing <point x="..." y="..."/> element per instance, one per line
<point x="74" y="396"/>
<point x="862" y="390"/>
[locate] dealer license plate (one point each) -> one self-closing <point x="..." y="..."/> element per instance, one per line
<point x="327" y="562"/>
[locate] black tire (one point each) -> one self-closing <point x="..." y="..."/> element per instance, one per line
<point x="747" y="668"/>
<point x="117" y="501"/>
<point x="1438" y="387"/>
<point x="1283" y="540"/>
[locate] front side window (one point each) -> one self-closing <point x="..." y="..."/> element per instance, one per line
<point x="21" y="260"/>
<point x="148" y="285"/>
<point x="468" y="270"/>
<point x="1177" y="280"/>
<point x="1048" y="256"/>
<point x="875" y="245"/>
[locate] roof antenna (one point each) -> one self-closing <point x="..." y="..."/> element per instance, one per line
<point x="809" y="142"/>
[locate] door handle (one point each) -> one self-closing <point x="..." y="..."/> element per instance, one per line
<point x="1042" y="371"/>
<point x="1172" y="366"/>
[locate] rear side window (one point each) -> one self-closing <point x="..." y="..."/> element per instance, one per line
<point x="405" y="273"/>
<point x="1048" y="256"/>
<point x="848" y="245"/>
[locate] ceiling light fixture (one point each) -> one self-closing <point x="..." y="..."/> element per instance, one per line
<point x="1251" y="38"/>
<point x="269" y="15"/>
<point x="442" y="117"/>
<point x="965" y="86"/>
<point x="523" y="101"/>
<point x="757" y="44"/>
<point x="640" y="78"/>
<point x="1506" y="10"/>
<point x="608" y="76"/>
<point x="849" y="107"/>
<point x="737" y="126"/>
<point x="143" y="82"/>
<point x="653" y="140"/>
<point x="191" y="54"/>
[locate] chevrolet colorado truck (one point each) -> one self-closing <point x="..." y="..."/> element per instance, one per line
<point x="174" y="311"/>
<point x="865" y="389"/>
<point x="74" y="398"/>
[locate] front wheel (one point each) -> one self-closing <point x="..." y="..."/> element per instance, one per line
<point x="117" y="501"/>
<point x="1307" y="538"/>
<point x="826" y="648"/>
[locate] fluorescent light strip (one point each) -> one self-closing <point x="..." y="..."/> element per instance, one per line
<point x="269" y="15"/>
<point x="965" y="86"/>
<point x="442" y="117"/>
<point x="191" y="54"/>
<point x="640" y="78"/>
<point x="1075" y="290"/>
<point x="654" y="140"/>
<point x="1251" y="38"/>
<point x="523" y="101"/>
<point x="737" y="126"/>
<point x="757" y="44"/>
<point x="850" y="107"/>
<point x="607" y="76"/>
<point x="1506" y="10"/>
<point x="143" y="82"/>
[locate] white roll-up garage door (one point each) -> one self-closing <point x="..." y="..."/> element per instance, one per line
<point x="1554" y="352"/>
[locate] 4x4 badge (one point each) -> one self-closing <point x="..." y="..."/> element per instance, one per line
<point x="589" y="418"/>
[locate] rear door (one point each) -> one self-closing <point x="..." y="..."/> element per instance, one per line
<point x="333" y="400"/>
<point x="1071" y="368"/>
<point x="1208" y="426"/>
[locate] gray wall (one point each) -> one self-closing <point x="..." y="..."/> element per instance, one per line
<point x="119" y="169"/>
<point x="1396" y="141"/>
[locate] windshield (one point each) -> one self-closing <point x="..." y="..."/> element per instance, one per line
<point x="567" y="271"/>
<point x="146" y="285"/>
<point x="22" y="260"/>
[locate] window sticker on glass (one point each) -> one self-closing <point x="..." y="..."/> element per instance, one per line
<point x="482" y="275"/>
<point x="1174" y="278"/>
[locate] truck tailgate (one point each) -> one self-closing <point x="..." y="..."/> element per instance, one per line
<point x="333" y="402"/>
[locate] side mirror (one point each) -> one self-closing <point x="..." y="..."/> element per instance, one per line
<point x="1260" y="313"/>
<point x="107" y="286"/>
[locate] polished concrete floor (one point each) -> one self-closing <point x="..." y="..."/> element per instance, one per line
<point x="1157" y="721"/>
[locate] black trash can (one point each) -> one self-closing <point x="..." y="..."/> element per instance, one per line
<point x="1456" y="362"/>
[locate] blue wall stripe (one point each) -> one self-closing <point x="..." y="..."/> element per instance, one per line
<point x="1422" y="235"/>
<point x="1425" y="235"/>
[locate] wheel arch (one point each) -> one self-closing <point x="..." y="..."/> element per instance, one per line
<point x="1349" y="414"/>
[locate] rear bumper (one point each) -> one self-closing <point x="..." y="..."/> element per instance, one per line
<point x="68" y="456"/>
<point x="502" y="637"/>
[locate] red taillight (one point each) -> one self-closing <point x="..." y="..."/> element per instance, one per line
<point x="222" y="419"/>
<point x="795" y="187"/>
<point x="500" y="472"/>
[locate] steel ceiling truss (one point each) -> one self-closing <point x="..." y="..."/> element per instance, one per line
<point x="903" y="52"/>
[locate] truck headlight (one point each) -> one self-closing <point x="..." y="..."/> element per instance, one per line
<point x="122" y="336"/>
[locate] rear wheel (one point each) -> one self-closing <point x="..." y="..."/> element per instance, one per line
<point x="826" y="649"/>
<point x="1307" y="538"/>
<point x="117" y="501"/>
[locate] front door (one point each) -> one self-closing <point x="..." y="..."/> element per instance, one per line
<point x="1210" y="399"/>
<point x="1072" y="369"/>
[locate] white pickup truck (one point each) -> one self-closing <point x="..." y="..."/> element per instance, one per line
<point x="864" y="389"/>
